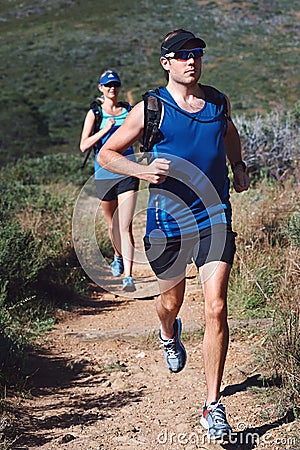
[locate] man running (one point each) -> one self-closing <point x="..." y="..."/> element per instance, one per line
<point x="189" y="212"/>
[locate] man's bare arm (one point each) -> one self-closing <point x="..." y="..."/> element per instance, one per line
<point x="234" y="154"/>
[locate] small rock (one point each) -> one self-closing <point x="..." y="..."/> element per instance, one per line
<point x="67" y="438"/>
<point x="119" y="385"/>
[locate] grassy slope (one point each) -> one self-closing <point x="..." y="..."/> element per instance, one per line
<point x="54" y="52"/>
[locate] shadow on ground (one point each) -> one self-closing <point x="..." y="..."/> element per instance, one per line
<point x="88" y="411"/>
<point x="250" y="438"/>
<point x="48" y="374"/>
<point x="254" y="381"/>
<point x="92" y="307"/>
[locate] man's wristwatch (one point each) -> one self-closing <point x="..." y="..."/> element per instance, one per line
<point x="241" y="163"/>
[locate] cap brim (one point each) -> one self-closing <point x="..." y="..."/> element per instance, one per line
<point x="111" y="81"/>
<point x="180" y="41"/>
<point x="107" y="78"/>
<point x="196" y="42"/>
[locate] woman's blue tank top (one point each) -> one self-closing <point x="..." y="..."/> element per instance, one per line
<point x="195" y="195"/>
<point x="100" y="173"/>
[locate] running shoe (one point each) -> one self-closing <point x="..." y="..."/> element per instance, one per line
<point x="117" y="266"/>
<point x="128" y="284"/>
<point x="174" y="351"/>
<point x="214" y="420"/>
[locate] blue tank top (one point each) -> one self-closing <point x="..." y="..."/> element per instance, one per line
<point x="100" y="173"/>
<point x="195" y="195"/>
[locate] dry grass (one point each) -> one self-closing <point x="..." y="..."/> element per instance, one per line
<point x="266" y="276"/>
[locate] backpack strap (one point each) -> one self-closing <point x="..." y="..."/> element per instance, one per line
<point x="215" y="96"/>
<point x="96" y="107"/>
<point x="125" y="105"/>
<point x="152" y="114"/>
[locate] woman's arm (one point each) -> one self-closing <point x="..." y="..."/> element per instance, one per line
<point x="88" y="139"/>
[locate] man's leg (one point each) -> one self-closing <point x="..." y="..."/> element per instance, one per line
<point x="167" y="260"/>
<point x="214" y="277"/>
<point x="169" y="303"/>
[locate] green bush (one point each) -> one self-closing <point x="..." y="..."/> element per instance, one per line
<point x="265" y="278"/>
<point x="47" y="169"/>
<point x="39" y="270"/>
<point x="20" y="262"/>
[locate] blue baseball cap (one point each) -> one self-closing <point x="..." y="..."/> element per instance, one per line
<point x="109" y="77"/>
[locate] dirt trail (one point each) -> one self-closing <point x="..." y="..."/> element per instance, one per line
<point x="99" y="380"/>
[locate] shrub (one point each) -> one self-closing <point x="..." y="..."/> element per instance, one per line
<point x="271" y="143"/>
<point x="52" y="168"/>
<point x="20" y="262"/>
<point x="38" y="269"/>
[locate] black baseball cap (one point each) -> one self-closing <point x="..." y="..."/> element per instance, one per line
<point x="178" y="41"/>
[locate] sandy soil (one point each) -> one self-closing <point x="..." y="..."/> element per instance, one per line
<point x="99" y="380"/>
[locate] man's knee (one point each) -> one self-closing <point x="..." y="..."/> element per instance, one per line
<point x="216" y="309"/>
<point x="171" y="302"/>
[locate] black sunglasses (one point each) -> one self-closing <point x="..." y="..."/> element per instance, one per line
<point x="112" y="84"/>
<point x="184" y="55"/>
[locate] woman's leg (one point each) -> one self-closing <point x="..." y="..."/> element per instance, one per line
<point x="126" y="207"/>
<point x="110" y="210"/>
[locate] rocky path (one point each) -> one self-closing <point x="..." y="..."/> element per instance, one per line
<point x="100" y="382"/>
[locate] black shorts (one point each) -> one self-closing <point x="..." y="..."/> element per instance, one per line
<point x="169" y="258"/>
<point x="108" y="190"/>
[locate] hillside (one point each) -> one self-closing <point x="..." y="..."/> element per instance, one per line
<point x="52" y="53"/>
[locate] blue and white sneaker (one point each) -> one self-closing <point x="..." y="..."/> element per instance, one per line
<point x="174" y="351"/>
<point x="117" y="266"/>
<point x="214" y="420"/>
<point x="128" y="284"/>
